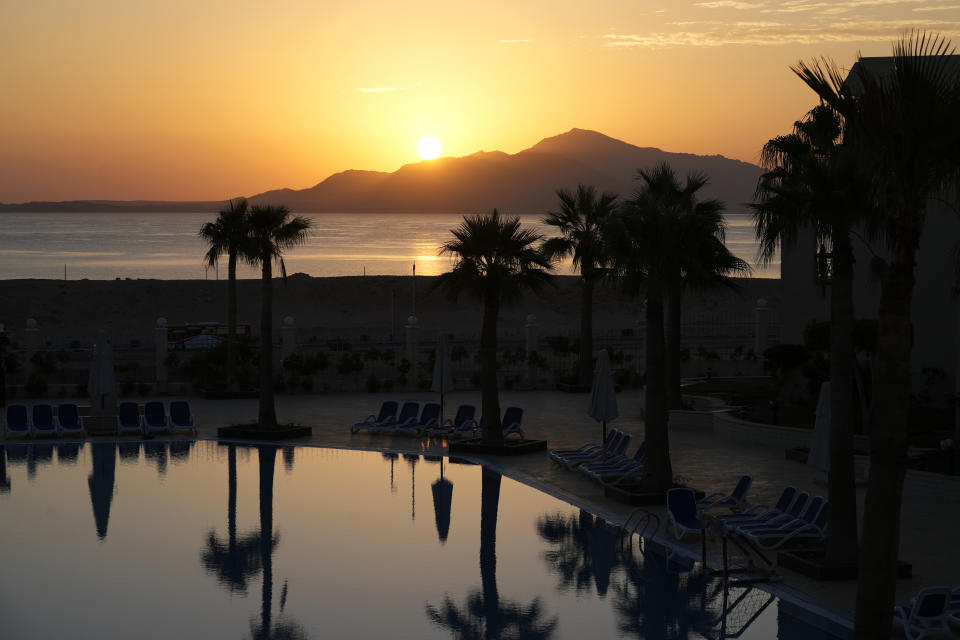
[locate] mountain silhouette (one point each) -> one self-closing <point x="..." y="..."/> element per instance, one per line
<point x="524" y="182"/>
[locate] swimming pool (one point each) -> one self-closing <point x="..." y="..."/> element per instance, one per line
<point x="185" y="539"/>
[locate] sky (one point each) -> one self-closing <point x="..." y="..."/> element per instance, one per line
<point x="212" y="99"/>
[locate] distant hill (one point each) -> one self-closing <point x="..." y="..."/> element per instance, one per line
<point x="523" y="182"/>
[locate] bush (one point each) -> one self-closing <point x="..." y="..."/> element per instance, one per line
<point x="127" y="388"/>
<point x="143" y="389"/>
<point x="373" y="383"/>
<point x="81" y="390"/>
<point x="782" y="357"/>
<point x="36" y="385"/>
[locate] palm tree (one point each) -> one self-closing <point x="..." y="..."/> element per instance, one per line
<point x="813" y="182"/>
<point x="273" y="230"/>
<point x="495" y="260"/>
<point x="663" y="238"/>
<point x="703" y="262"/>
<point x="905" y="129"/>
<point x="227" y="235"/>
<point x="581" y="221"/>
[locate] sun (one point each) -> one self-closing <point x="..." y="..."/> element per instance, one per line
<point x="428" y="148"/>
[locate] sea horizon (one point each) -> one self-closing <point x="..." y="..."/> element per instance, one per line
<point x="166" y="246"/>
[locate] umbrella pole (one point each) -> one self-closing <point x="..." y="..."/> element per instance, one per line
<point x="604" y="431"/>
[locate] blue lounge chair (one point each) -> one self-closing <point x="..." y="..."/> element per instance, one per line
<point x="180" y="417"/>
<point x="760" y="513"/>
<point x="69" y="421"/>
<point x="795" y="510"/>
<point x="18" y="424"/>
<point x="43" y="422"/>
<point x="682" y="511"/>
<point x="388" y="411"/>
<point x="462" y="424"/>
<point x="927" y="616"/>
<point x="512" y="418"/>
<point x="406" y="417"/>
<point x="591" y="447"/>
<point x="155" y="417"/>
<point x="128" y="418"/>
<point x="735" y="499"/>
<point x="428" y="418"/>
<point x="811" y="526"/>
<point x="625" y="466"/>
<point x="616" y="447"/>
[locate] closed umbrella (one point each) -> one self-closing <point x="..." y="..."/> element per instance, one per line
<point x="442" y="500"/>
<point x="102" y="385"/>
<point x="603" y="397"/>
<point x="819" y="457"/>
<point x="442" y="371"/>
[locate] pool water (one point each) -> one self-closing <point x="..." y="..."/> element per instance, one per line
<point x="184" y="539"/>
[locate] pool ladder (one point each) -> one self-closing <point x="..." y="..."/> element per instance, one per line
<point x="641" y="521"/>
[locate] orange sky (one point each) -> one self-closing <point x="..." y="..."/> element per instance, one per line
<point x="207" y="100"/>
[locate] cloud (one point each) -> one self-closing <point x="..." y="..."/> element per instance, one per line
<point x="939" y="7"/>
<point x="729" y="4"/>
<point x="523" y="41"/>
<point x="773" y="33"/>
<point x="801" y="6"/>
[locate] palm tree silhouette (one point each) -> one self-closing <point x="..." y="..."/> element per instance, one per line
<point x="665" y="239"/>
<point x="228" y="235"/>
<point x="484" y="614"/>
<point x="495" y="260"/>
<point x="583" y="550"/>
<point x="814" y="181"/>
<point x="581" y="220"/>
<point x="905" y="128"/>
<point x="273" y="230"/>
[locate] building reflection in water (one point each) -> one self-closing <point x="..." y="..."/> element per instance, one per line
<point x="483" y="614"/>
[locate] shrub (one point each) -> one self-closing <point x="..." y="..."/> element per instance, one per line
<point x="81" y="390"/>
<point x="127" y="388"/>
<point x="373" y="383"/>
<point x="36" y="385"/>
<point x="143" y="389"/>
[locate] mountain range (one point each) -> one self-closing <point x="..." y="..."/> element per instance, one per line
<point x="524" y="182"/>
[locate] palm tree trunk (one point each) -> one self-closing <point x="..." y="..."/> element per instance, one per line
<point x="672" y="336"/>
<point x="490" y="400"/>
<point x="232" y="322"/>
<point x="659" y="474"/>
<point x="268" y="414"/>
<point x="268" y="456"/>
<point x="586" y="333"/>
<point x="880" y="543"/>
<point x="842" y="509"/>
<point x="489" y="504"/>
<point x="232" y="498"/>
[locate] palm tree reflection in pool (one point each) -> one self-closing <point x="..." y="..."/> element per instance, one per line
<point x="484" y="614"/>
<point x="241" y="558"/>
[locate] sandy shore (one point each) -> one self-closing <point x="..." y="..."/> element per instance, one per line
<point x="376" y="306"/>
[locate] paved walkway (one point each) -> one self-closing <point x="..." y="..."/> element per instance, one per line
<point x="700" y="459"/>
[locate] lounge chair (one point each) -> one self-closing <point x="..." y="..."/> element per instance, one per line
<point x="616" y="447"/>
<point x="512" y="418"/>
<point x="128" y="418"/>
<point x="388" y="410"/>
<point x="155" y="417"/>
<point x="68" y="420"/>
<point x="43" y="422"/>
<point x="462" y="424"/>
<point x="180" y="417"/>
<point x="428" y="418"/>
<point x="682" y="511"/>
<point x="555" y="454"/>
<point x="406" y="417"/>
<point x="927" y="616"/>
<point x="735" y="499"/>
<point x="811" y="526"/>
<point x="795" y="510"/>
<point x="625" y="466"/>
<point x="760" y="513"/>
<point x="18" y="424"/>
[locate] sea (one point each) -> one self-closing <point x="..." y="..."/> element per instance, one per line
<point x="166" y="246"/>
